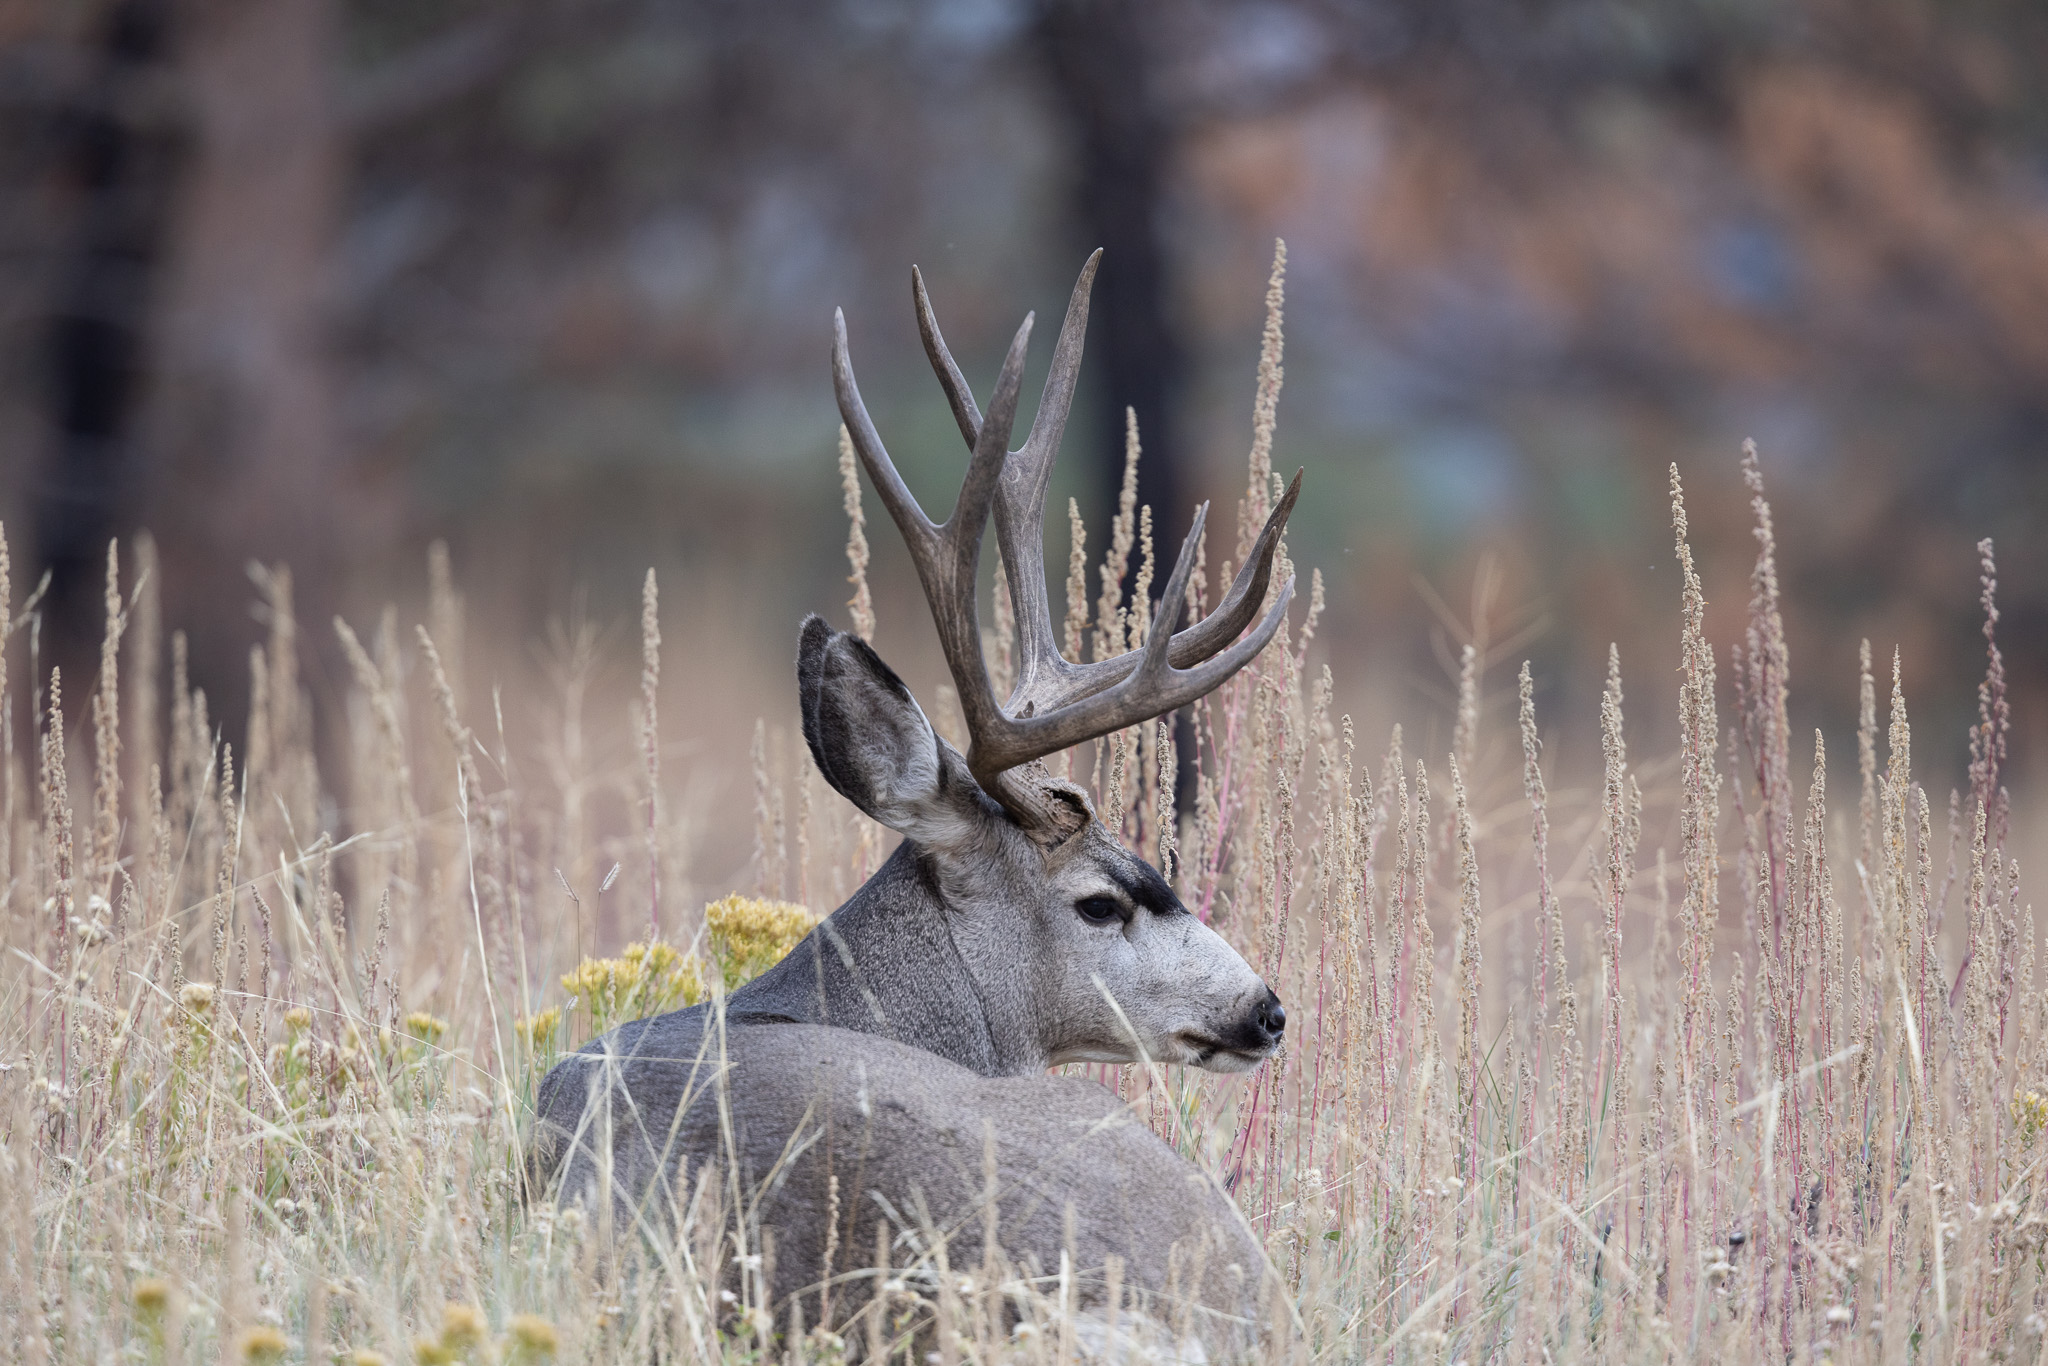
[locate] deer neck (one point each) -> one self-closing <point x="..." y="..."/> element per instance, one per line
<point x="887" y="963"/>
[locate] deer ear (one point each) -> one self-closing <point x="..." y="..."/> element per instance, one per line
<point x="872" y="742"/>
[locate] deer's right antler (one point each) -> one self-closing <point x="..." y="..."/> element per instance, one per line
<point x="1056" y="703"/>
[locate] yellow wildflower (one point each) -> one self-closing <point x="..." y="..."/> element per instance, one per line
<point x="462" y="1327"/>
<point x="751" y="934"/>
<point x="363" y="1356"/>
<point x="298" y="1019"/>
<point x="424" y="1027"/>
<point x="602" y="983"/>
<point x="644" y="980"/>
<point x="2030" y="1114"/>
<point x="668" y="977"/>
<point x="533" y="1338"/>
<point x="261" y="1345"/>
<point x="428" y="1352"/>
<point x="152" y="1294"/>
<point x="539" y="1030"/>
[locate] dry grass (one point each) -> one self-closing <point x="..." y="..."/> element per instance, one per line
<point x="1697" y="1069"/>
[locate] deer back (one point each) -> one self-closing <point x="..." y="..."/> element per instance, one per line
<point x="800" y="1142"/>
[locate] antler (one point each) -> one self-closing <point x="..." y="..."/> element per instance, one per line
<point x="1045" y="679"/>
<point x="1056" y="703"/>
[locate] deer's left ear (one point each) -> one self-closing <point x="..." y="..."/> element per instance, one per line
<point x="873" y="744"/>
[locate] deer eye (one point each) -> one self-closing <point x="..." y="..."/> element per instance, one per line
<point x="1100" y="910"/>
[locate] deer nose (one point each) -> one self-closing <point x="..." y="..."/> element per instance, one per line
<point x="1272" y="1016"/>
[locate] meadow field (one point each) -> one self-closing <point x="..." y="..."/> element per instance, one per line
<point x="1718" y="1059"/>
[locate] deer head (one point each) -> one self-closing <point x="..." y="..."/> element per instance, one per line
<point x="1075" y="949"/>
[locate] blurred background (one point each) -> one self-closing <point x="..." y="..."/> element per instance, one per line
<point x="551" y="280"/>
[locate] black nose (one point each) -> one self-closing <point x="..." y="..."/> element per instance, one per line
<point x="1272" y="1015"/>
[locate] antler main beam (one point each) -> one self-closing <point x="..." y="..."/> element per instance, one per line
<point x="1056" y="703"/>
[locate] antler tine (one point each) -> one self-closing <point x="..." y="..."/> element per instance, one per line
<point x="1247" y="590"/>
<point x="1020" y="507"/>
<point x="1056" y="399"/>
<point x="918" y="530"/>
<point x="965" y="410"/>
<point x="1173" y="604"/>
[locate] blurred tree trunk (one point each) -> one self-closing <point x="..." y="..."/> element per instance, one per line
<point x="117" y="163"/>
<point x="1102" y="73"/>
<point x="245" y="421"/>
<point x="1104" y="81"/>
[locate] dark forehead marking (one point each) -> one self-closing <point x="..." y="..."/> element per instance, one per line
<point x="1142" y="883"/>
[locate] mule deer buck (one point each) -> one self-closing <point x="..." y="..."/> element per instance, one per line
<point x="893" y="1060"/>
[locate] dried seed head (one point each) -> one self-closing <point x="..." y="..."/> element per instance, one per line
<point x="1465" y="735"/>
<point x="1077" y="580"/>
<point x="151" y="1295"/>
<point x="1266" y="402"/>
<point x="862" y="604"/>
<point x="196" y="997"/>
